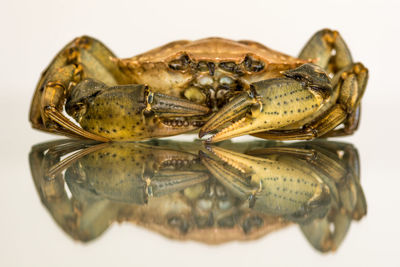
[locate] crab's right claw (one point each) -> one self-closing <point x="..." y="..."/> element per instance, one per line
<point x="168" y="106"/>
<point x="131" y="112"/>
<point x="171" y="115"/>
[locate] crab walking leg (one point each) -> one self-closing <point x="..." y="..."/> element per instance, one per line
<point x="321" y="46"/>
<point x="83" y="57"/>
<point x="47" y="116"/>
<point x="53" y="91"/>
<point x="353" y="74"/>
<point x="350" y="125"/>
<point x="350" y="84"/>
<point x="320" y="49"/>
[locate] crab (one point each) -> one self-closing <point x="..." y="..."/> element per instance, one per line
<point x="215" y="86"/>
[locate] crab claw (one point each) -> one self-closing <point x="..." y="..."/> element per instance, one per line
<point x="238" y="107"/>
<point x="169" y="106"/>
<point x="131" y="112"/>
<point x="272" y="104"/>
<point x="243" y="111"/>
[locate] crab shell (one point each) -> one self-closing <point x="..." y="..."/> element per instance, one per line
<point x="205" y="64"/>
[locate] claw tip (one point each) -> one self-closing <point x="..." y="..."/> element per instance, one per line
<point x="202" y="133"/>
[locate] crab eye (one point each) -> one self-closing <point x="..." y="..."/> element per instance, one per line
<point x="228" y="66"/>
<point x="253" y="65"/>
<point x="202" y="66"/>
<point x="181" y="63"/>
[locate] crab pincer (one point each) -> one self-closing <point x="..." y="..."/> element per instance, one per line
<point x="278" y="103"/>
<point x="131" y="112"/>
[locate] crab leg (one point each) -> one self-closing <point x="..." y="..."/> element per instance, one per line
<point x="349" y="81"/>
<point x="350" y="84"/>
<point x="83" y="57"/>
<point x="320" y="47"/>
<point x="51" y="117"/>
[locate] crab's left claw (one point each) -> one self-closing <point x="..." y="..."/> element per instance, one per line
<point x="238" y="107"/>
<point x="272" y="104"/>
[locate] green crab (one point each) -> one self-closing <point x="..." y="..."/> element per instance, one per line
<point x="214" y="85"/>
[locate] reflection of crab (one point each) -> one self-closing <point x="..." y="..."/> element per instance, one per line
<point x="210" y="83"/>
<point x="315" y="184"/>
<point x="239" y="192"/>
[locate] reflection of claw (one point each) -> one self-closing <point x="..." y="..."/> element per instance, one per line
<point x="168" y="181"/>
<point x="235" y="182"/>
<point x="276" y="183"/>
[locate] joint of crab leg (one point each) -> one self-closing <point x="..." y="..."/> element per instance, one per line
<point x="169" y="106"/>
<point x="236" y="108"/>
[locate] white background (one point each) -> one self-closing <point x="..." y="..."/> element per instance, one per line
<point x="32" y="32"/>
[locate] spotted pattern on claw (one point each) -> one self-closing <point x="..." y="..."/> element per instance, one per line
<point x="283" y="101"/>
